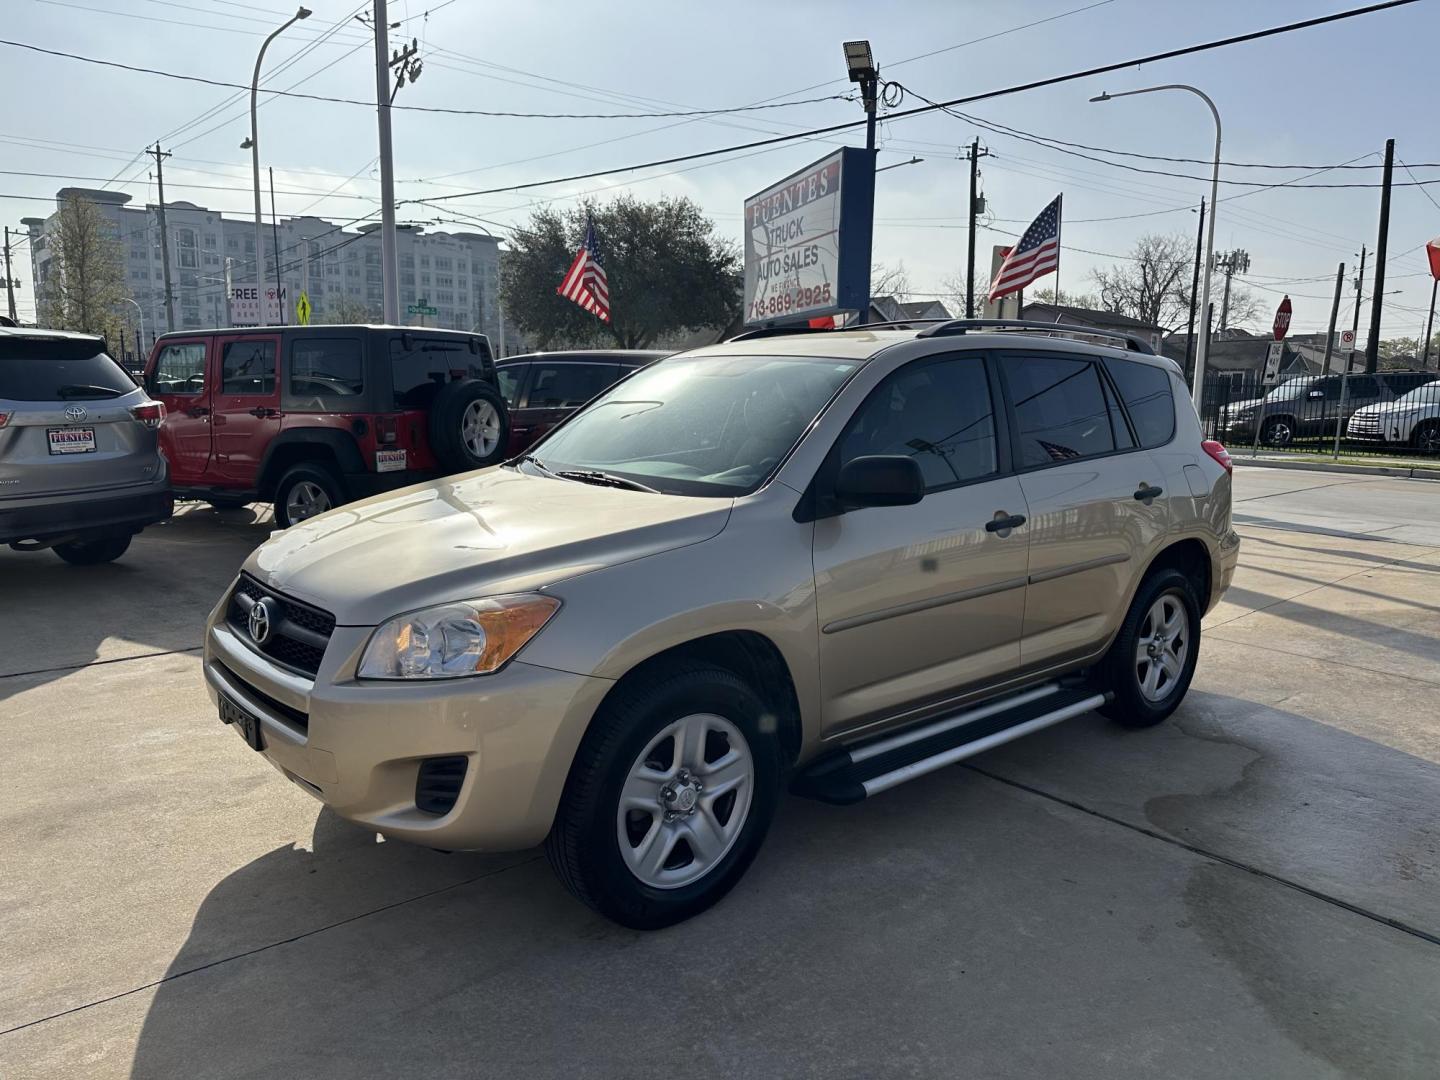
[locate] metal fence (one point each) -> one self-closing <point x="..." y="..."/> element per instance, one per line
<point x="1392" y="413"/>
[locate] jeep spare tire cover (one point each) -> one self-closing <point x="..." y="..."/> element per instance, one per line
<point x="469" y="426"/>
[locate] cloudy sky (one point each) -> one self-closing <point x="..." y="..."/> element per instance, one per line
<point x="1317" y="97"/>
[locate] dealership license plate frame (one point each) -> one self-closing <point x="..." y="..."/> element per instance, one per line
<point x="62" y="450"/>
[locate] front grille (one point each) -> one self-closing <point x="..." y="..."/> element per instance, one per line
<point x="297" y="719"/>
<point x="298" y="634"/>
<point x="1363" y="425"/>
<point x="438" y="785"/>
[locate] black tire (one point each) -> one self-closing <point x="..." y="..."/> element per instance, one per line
<point x="1278" y="431"/>
<point x="584" y="844"/>
<point x="447" y="418"/>
<point x="1426" y="437"/>
<point x="310" y="472"/>
<point x="222" y="502"/>
<point x="1120" y="672"/>
<point x="93" y="551"/>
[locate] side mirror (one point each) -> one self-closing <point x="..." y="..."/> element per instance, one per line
<point x="879" y="480"/>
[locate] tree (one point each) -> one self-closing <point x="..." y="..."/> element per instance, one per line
<point x="666" y="273"/>
<point x="892" y="281"/>
<point x="1152" y="285"/>
<point x="1048" y="295"/>
<point x="85" y="282"/>
<point x="349" y="310"/>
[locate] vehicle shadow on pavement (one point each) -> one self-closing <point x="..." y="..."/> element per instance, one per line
<point x="55" y="618"/>
<point x="932" y="925"/>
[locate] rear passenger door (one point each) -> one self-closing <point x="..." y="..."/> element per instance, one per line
<point x="245" y="407"/>
<point x="510" y="379"/>
<point x="557" y="389"/>
<point x="1096" y="511"/>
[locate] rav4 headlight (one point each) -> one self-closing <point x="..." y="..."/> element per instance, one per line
<point x="470" y="637"/>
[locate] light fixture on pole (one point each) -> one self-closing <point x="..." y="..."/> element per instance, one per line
<point x="253" y="145"/>
<point x="1202" y="352"/>
<point x="141" y="312"/>
<point x="860" y="62"/>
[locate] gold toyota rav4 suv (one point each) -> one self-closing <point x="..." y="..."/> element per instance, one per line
<point x="829" y="562"/>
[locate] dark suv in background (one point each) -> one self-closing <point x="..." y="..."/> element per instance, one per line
<point x="79" y="469"/>
<point x="544" y="388"/>
<point x="1310" y="406"/>
<point x="309" y="417"/>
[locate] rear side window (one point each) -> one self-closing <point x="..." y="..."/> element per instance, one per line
<point x="568" y="385"/>
<point x="1361" y="387"/>
<point x="420" y="366"/>
<point x="511" y="377"/>
<point x="34" y="369"/>
<point x="248" y="367"/>
<point x="328" y="371"/>
<point x="1148" y="397"/>
<point x="937" y="413"/>
<point x="1060" y="409"/>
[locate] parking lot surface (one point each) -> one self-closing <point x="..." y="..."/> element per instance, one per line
<point x="1250" y="889"/>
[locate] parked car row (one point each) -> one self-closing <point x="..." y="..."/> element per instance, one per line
<point x="1314" y="406"/>
<point x="305" y="417"/>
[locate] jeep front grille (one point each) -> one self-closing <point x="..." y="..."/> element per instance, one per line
<point x="298" y="633"/>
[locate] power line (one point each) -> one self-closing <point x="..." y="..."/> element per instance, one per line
<point x="1422" y="190"/>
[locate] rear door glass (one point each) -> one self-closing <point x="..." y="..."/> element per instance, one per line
<point x="420" y="366"/>
<point x="248" y="367"/>
<point x="39" y="370"/>
<point x="1060" y="409"/>
<point x="564" y="386"/>
<point x="327" y="373"/>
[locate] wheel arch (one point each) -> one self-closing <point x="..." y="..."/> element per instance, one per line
<point x="318" y="444"/>
<point x="1193" y="559"/>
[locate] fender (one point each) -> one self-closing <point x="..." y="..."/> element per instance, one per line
<point x="339" y="443"/>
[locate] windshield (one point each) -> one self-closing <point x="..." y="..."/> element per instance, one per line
<point x="1290" y="390"/>
<point x="54" y="369"/>
<point x="707" y="425"/>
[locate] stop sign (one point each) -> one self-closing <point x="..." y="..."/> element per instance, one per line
<point x="1282" y="319"/>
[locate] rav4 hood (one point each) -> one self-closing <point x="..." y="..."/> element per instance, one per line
<point x="469" y="536"/>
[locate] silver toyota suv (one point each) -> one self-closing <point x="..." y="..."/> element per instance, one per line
<point x="79" y="468"/>
<point x="828" y="562"/>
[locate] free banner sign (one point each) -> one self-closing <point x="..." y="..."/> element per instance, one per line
<point x="245" y="301"/>
<point x="807" y="241"/>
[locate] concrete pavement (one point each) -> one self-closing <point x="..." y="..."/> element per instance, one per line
<point x="1252" y="889"/>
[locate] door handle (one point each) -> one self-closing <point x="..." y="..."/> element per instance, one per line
<point x="1003" y="522"/>
<point x="197" y="410"/>
<point x="262" y="413"/>
<point x="1146" y="492"/>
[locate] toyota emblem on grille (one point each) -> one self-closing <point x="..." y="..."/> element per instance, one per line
<point x="259" y="621"/>
<point x="75" y="413"/>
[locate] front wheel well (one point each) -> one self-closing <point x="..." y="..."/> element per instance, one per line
<point x="753" y="657"/>
<point x="1192" y="558"/>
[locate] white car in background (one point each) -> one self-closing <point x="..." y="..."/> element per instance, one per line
<point x="1411" y="420"/>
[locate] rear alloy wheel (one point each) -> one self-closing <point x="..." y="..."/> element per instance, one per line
<point x="304" y="492"/>
<point x="1152" y="660"/>
<point x="100" y="549"/>
<point x="669" y="796"/>
<point x="1277" y="432"/>
<point x="1426" y="437"/>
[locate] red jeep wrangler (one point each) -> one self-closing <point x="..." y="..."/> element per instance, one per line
<point x="309" y="417"/>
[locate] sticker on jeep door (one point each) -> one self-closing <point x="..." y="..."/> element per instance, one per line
<point x="389" y="460"/>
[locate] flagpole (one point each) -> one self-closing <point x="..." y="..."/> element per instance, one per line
<point x="1059" y="231"/>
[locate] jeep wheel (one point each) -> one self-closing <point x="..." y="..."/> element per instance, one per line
<point x="669" y="797"/>
<point x="469" y="426"/>
<point x="305" y="491"/>
<point x="227" y="502"/>
<point x="1426" y="437"/>
<point x="94" y="551"/>
<point x="1151" y="663"/>
<point x="1277" y="431"/>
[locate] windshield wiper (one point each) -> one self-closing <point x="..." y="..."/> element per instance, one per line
<point x="533" y="460"/>
<point x="604" y="479"/>
<point x="87" y="390"/>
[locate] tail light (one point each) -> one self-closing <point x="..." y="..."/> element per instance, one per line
<point x="4" y="418"/>
<point x="387" y="429"/>
<point x="150" y="414"/>
<point x="1217" y="450"/>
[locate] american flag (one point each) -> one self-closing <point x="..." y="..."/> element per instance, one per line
<point x="585" y="281"/>
<point x="1037" y="253"/>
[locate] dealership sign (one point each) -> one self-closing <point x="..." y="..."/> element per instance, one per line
<point x="807" y="241"/>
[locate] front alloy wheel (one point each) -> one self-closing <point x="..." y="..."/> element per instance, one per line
<point x="1277" y="433"/>
<point x="685" y="801"/>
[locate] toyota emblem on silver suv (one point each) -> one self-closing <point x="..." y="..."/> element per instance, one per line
<point x="75" y="413"/>
<point x="259" y="621"/>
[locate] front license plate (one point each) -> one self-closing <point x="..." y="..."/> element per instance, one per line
<point x="71" y="440"/>
<point x="247" y="725"/>
<point x="389" y="460"/>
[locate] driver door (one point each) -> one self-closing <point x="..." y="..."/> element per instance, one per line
<point x="181" y="376"/>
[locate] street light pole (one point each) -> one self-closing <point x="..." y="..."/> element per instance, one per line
<point x="860" y="62"/>
<point x="254" y="145"/>
<point x="141" y="312"/>
<point x="1203" y="351"/>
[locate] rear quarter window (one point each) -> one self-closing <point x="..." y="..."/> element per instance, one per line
<point x="326" y="373"/>
<point x="1149" y="399"/>
<point x="36" y="369"/>
<point x="420" y="366"/>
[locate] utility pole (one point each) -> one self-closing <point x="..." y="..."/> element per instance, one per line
<point x="1230" y="263"/>
<point x="1355" y="325"/>
<point x="406" y="65"/>
<point x="10" y="281"/>
<point x="1334" y="314"/>
<point x="1429" y="323"/>
<point x="164" y="237"/>
<point x="1377" y="293"/>
<point x="1194" y="295"/>
<point x="977" y="202"/>
<point x="275" y="243"/>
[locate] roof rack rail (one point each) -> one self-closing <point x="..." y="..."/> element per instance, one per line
<point x="962" y="326"/>
<point x="801" y="328"/>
